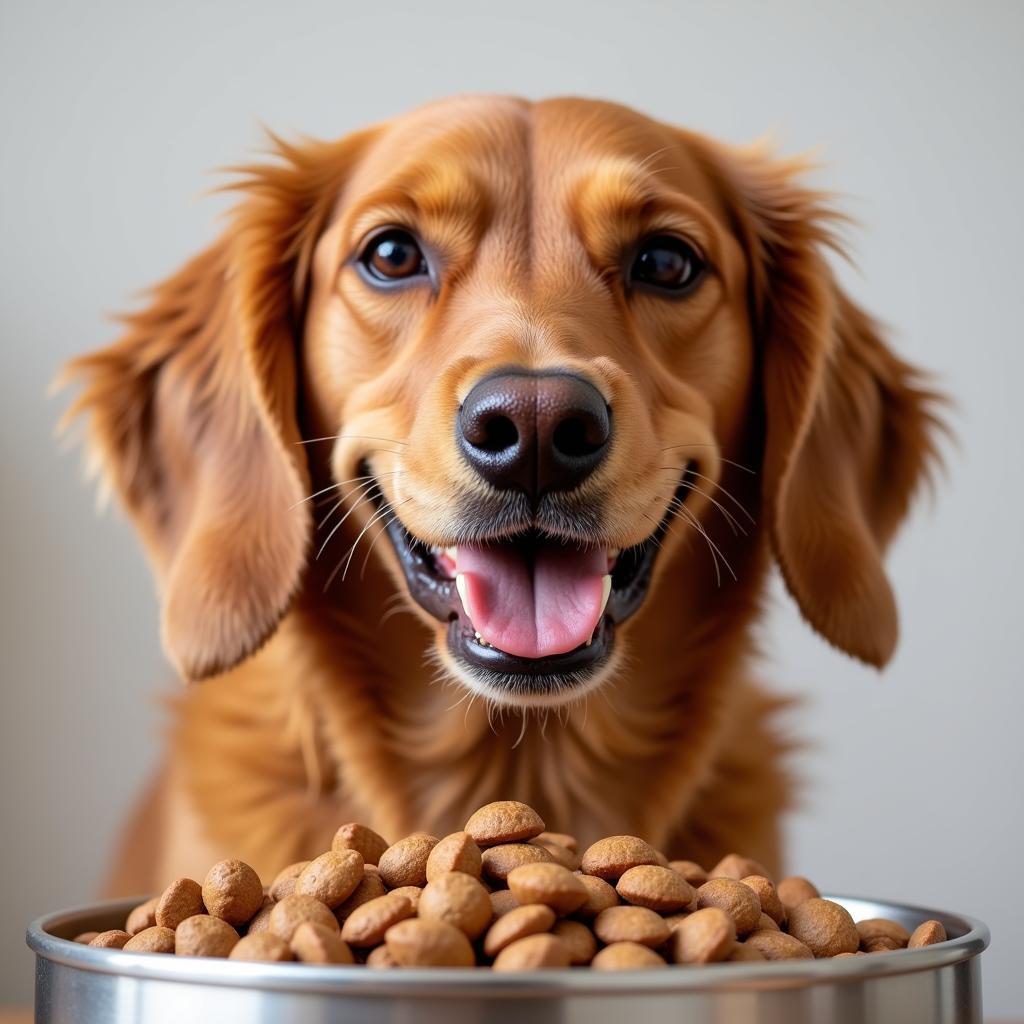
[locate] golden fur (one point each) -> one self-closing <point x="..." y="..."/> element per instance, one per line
<point x="324" y="707"/>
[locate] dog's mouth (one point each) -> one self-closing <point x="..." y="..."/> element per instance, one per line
<point x="530" y="611"/>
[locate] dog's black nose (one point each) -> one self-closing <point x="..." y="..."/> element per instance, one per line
<point x="536" y="432"/>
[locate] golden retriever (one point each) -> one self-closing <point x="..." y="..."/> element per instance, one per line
<point x="461" y="458"/>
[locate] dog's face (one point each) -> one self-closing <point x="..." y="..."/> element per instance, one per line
<point x="543" y="313"/>
<point x="539" y="335"/>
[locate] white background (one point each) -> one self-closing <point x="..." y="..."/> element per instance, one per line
<point x="112" y="114"/>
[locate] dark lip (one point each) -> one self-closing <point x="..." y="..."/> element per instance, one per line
<point x="436" y="594"/>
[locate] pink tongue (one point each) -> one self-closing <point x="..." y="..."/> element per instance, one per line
<point x="533" y="611"/>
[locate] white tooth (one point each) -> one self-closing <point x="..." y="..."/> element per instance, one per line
<point x="476" y="634"/>
<point x="614" y="552"/>
<point x="460" y="586"/>
<point x="452" y="553"/>
<point x="606" y="589"/>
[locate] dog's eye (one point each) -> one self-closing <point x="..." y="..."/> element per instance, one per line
<point x="668" y="263"/>
<point x="393" y="255"/>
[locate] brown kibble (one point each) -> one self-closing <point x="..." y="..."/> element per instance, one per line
<point x="295" y="910"/>
<point x="578" y="939"/>
<point x="151" y="940"/>
<point x="517" y="924"/>
<point x="766" y="923"/>
<point x="261" y="921"/>
<point x="418" y="943"/>
<point x="502" y="901"/>
<point x="610" y="858"/>
<point x="232" y="891"/>
<point x="181" y="899"/>
<point x="115" y="938"/>
<point x="562" y="839"/>
<point x="263" y="947"/>
<point x="739" y="901"/>
<point x="733" y="866"/>
<point x="284" y="881"/>
<point x="631" y="924"/>
<point x="457" y="852"/>
<point x="405" y="862"/>
<point x="551" y="884"/>
<point x="655" y="887"/>
<point x="367" y="925"/>
<point x="459" y="900"/>
<point x="626" y="956"/>
<point x="412" y="893"/>
<point x="85" y="937"/>
<point x="767" y="896"/>
<point x="368" y="889"/>
<point x="203" y="935"/>
<point x="314" y="944"/>
<point x="796" y="890"/>
<point x="562" y="855"/>
<point x="824" y="927"/>
<point x="143" y="917"/>
<point x="380" y="957"/>
<point x="600" y="896"/>
<point x="927" y="934"/>
<point x="367" y="843"/>
<point x="535" y="952"/>
<point x="673" y="920"/>
<point x="498" y="861"/>
<point x="504" y="821"/>
<point x="706" y="936"/>
<point x="742" y="952"/>
<point x="332" y="877"/>
<point x="775" y="945"/>
<point x="882" y="928"/>
<point x="690" y="870"/>
<point x="879" y="944"/>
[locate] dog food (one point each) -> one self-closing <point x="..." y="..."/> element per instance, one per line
<point x="507" y="893"/>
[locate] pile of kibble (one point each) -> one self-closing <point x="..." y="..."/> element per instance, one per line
<point x="504" y="893"/>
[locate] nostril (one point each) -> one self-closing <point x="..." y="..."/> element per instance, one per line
<point x="574" y="437"/>
<point x="499" y="434"/>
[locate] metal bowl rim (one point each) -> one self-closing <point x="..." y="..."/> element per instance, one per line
<point x="474" y="983"/>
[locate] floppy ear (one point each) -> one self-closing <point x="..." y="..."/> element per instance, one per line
<point x="192" y="415"/>
<point x="850" y="429"/>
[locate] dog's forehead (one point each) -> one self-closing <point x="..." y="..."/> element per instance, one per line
<point x="504" y="150"/>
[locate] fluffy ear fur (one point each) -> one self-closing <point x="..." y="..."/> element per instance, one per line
<point x="192" y="414"/>
<point x="850" y="429"/>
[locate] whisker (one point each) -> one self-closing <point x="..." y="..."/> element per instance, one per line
<point x="369" y="550"/>
<point x="715" y="548"/>
<point x="337" y="526"/>
<point x="340" y="483"/>
<point x="469" y="707"/>
<point x="722" y="458"/>
<point x="728" y="494"/>
<point x="522" y="730"/>
<point x="341" y="501"/>
<point x="388" y="509"/>
<point x="353" y="437"/>
<point x="725" y="492"/>
<point x="733" y="522"/>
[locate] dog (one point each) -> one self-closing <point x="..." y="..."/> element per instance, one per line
<point x="462" y="457"/>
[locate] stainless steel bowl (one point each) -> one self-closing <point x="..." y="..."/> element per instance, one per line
<point x="76" y="984"/>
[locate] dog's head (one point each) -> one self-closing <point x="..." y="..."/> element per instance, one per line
<point x="535" y="336"/>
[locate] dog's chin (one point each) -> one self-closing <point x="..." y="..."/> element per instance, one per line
<point x="506" y="681"/>
<point x="510" y="681"/>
